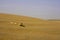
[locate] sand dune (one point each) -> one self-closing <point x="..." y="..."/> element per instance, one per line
<point x="35" y="29"/>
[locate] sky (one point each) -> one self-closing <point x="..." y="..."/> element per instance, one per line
<point x="45" y="9"/>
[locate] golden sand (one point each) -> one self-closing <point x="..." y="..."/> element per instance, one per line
<point x="35" y="29"/>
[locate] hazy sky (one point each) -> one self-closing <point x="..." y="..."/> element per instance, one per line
<point x="46" y="9"/>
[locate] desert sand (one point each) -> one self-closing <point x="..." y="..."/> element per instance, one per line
<point x="35" y="29"/>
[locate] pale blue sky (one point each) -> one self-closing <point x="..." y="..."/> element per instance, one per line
<point x="45" y="9"/>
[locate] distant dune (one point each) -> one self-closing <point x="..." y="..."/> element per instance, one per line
<point x="35" y="29"/>
<point x="54" y="19"/>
